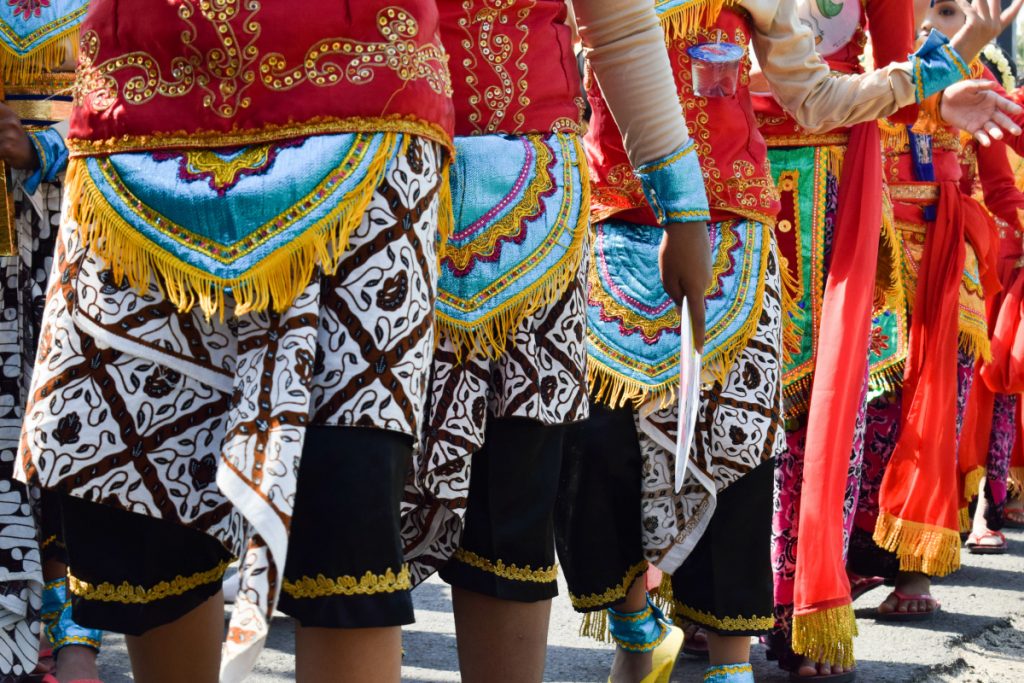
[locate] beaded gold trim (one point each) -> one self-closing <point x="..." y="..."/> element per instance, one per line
<point x="703" y="618"/>
<point x="921" y="192"/>
<point x="129" y="594"/>
<point x="808" y="140"/>
<point x="208" y="139"/>
<point x="614" y="594"/>
<point x="368" y="584"/>
<point x="507" y="571"/>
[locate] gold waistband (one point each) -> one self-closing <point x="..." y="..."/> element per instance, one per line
<point x="45" y="97"/>
<point x="807" y="139"/>
<point x="923" y="193"/>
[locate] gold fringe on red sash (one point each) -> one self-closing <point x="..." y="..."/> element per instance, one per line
<point x="826" y="635"/>
<point x="921" y="547"/>
<point x="690" y="15"/>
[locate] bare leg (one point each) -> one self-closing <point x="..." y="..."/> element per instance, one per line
<point x="500" y="641"/>
<point x="728" y="649"/>
<point x="629" y="667"/>
<point x="75" y="661"/>
<point x="358" y="655"/>
<point x="187" y="649"/>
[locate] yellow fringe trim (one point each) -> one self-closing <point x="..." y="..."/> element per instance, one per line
<point x="826" y="635"/>
<point x="595" y="625"/>
<point x="616" y="390"/>
<point x="275" y="281"/>
<point x="964" y="519"/>
<point x="445" y="212"/>
<point x="921" y="547"/>
<point x="130" y="594"/>
<point x="368" y="584"/>
<point x="1016" y="479"/>
<point x="790" y="312"/>
<point x="888" y="379"/>
<point x="507" y="571"/>
<point x="616" y="593"/>
<point x="975" y="343"/>
<point x="688" y="17"/>
<point x="490" y="336"/>
<point x="894" y="136"/>
<point x="50" y="55"/>
<point x="972" y="482"/>
<point x="893" y="292"/>
<point x="663" y="598"/>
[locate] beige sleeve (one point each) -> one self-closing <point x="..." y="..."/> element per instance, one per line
<point x="625" y="45"/>
<point x="802" y="82"/>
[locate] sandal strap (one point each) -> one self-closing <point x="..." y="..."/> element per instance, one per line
<point x="60" y="628"/>
<point x="730" y="673"/>
<point x="640" y="631"/>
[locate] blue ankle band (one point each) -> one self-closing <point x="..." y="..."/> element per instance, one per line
<point x="730" y="673"/>
<point x="638" y="631"/>
<point x="60" y="628"/>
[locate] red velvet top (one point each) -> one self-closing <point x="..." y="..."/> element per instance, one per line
<point x="513" y="67"/>
<point x="181" y="73"/>
<point x="732" y="153"/>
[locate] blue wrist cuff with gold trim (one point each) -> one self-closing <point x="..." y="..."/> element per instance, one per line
<point x="936" y="66"/>
<point x="53" y="158"/>
<point x="674" y="187"/>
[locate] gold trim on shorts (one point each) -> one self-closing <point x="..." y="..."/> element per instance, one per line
<point x="140" y="595"/>
<point x="507" y="571"/>
<point x="702" y="618"/>
<point x="368" y="584"/>
<point x="614" y="594"/>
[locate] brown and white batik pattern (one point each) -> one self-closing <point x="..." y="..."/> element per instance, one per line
<point x="541" y="376"/>
<point x="201" y="422"/>
<point x="739" y="426"/>
<point x="23" y="284"/>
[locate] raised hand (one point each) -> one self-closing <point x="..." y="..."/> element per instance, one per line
<point x="974" y="107"/>
<point x="1010" y="13"/>
<point x="984" y="23"/>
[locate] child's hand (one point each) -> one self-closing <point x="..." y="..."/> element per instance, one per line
<point x="984" y="24"/>
<point x="974" y="107"/>
<point x="685" y="261"/>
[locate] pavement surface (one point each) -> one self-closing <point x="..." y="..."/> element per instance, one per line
<point x="977" y="638"/>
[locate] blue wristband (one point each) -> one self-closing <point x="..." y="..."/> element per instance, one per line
<point x="936" y="66"/>
<point x="53" y="158"/>
<point x="674" y="187"/>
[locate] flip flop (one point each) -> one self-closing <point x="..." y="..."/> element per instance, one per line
<point x="1013" y="518"/>
<point x="859" y="585"/>
<point x="692" y="647"/>
<point x="898" y="616"/>
<point x="977" y="546"/>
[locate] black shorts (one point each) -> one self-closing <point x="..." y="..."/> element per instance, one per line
<point x="597" y="518"/>
<point x="507" y="550"/>
<point x="130" y="573"/>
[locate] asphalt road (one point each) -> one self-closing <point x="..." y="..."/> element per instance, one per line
<point x="978" y="637"/>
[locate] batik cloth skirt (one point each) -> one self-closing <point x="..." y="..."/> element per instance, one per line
<point x="25" y="275"/>
<point x="509" y="369"/>
<point x="200" y="422"/>
<point x="884" y="410"/>
<point x="607" y="530"/>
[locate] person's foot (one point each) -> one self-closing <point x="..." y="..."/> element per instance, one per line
<point x="695" y="642"/>
<point x="810" y="670"/>
<point x="912" y="595"/>
<point x="630" y="667"/>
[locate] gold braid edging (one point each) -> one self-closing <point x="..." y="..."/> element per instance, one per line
<point x="368" y="584"/>
<point x="702" y="618"/>
<point x="924" y="548"/>
<point x="614" y="594"/>
<point x="507" y="571"/>
<point x="129" y="594"/>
